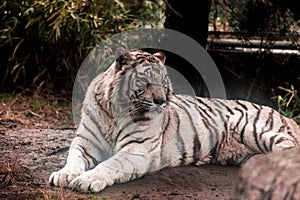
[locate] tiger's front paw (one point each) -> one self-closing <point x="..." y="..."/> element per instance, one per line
<point x="63" y="177"/>
<point x="89" y="181"/>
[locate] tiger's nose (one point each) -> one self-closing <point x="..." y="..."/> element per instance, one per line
<point x="159" y="100"/>
<point x="158" y="93"/>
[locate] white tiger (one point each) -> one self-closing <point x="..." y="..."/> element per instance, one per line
<point x="132" y="123"/>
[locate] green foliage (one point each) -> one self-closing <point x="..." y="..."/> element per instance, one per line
<point x="268" y="19"/>
<point x="43" y="42"/>
<point x="136" y="195"/>
<point x="289" y="104"/>
<point x="5" y="97"/>
<point x="218" y="19"/>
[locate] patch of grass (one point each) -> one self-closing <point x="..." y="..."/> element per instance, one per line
<point x="36" y="111"/>
<point x="6" y="97"/>
<point x="60" y="195"/>
<point x="47" y="195"/>
<point x="136" y="195"/>
<point x="9" y="171"/>
<point x="289" y="103"/>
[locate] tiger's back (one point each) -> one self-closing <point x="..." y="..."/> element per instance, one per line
<point x="228" y="131"/>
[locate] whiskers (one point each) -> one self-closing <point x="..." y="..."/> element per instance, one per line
<point x="139" y="110"/>
<point x="141" y="105"/>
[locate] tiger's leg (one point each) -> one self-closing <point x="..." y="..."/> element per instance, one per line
<point x="278" y="141"/>
<point x="126" y="165"/>
<point x="273" y="141"/>
<point x="82" y="156"/>
<point x="73" y="168"/>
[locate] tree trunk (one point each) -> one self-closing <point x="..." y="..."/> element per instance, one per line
<point x="190" y="19"/>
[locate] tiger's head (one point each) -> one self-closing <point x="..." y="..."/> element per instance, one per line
<point x="140" y="85"/>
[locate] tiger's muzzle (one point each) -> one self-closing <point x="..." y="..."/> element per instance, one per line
<point x="149" y="102"/>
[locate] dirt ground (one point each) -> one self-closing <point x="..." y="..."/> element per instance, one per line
<point x="28" y="156"/>
<point x="34" y="136"/>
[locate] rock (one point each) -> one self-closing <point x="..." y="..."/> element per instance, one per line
<point x="270" y="176"/>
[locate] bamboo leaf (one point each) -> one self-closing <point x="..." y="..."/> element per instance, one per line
<point x="16" y="48"/>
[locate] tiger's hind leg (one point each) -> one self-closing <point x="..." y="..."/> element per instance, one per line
<point x="274" y="141"/>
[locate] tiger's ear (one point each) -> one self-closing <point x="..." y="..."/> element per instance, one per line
<point x="161" y="56"/>
<point x="119" y="61"/>
<point x="121" y="55"/>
